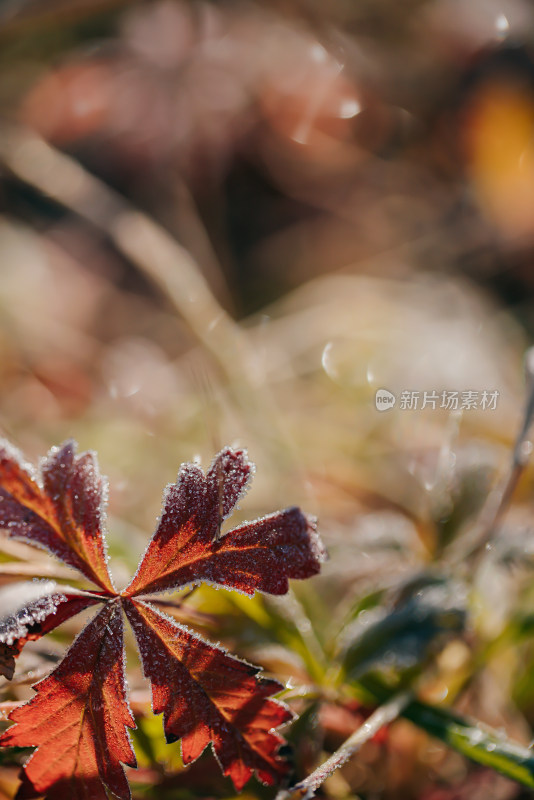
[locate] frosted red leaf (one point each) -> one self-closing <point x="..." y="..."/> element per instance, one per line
<point x="259" y="555"/>
<point x="78" y="718"/>
<point x="60" y="509"/>
<point x="35" y="619"/>
<point x="207" y="696"/>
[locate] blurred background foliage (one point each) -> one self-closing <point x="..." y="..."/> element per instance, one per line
<point x="235" y="222"/>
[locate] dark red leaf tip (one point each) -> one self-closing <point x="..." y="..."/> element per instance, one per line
<point x="187" y="550"/>
<point x="60" y="508"/>
<point x="228" y="479"/>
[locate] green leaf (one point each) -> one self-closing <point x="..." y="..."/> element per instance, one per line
<point x="402" y="638"/>
<point x="472" y="739"/>
<point x="476" y="741"/>
<point x="266" y="612"/>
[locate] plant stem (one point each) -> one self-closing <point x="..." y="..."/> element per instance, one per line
<point x="382" y="716"/>
<point x="501" y="495"/>
<point x="160" y="258"/>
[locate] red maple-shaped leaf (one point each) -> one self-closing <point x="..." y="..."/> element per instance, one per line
<point x="78" y="718"/>
<point x="48" y="609"/>
<point x="60" y="509"/>
<point x="186" y="547"/>
<point x="208" y="696"/>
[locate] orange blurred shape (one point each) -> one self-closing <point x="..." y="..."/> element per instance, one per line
<point x="321" y="120"/>
<point x="9" y="782"/>
<point x="70" y="103"/>
<point x="315" y="102"/>
<point x="499" y="142"/>
<point x="70" y="385"/>
<point x="309" y="100"/>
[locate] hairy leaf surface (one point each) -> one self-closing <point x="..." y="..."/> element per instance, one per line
<point x="208" y="696"/>
<point x="35" y="619"/>
<point x="186" y="548"/>
<point x="61" y="509"/>
<point x="77" y="719"/>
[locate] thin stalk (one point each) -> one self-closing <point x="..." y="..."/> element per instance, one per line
<point x="500" y="497"/>
<point x="142" y="240"/>
<point x="382" y="716"/>
<point x="163" y="260"/>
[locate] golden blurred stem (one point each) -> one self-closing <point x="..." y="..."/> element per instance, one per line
<point x="500" y="498"/>
<point x="14" y="571"/>
<point x="144" y="242"/>
<point x="501" y="495"/>
<point x="492" y="515"/>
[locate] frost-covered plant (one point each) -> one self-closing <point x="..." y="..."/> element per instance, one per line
<point x="79" y="717"/>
